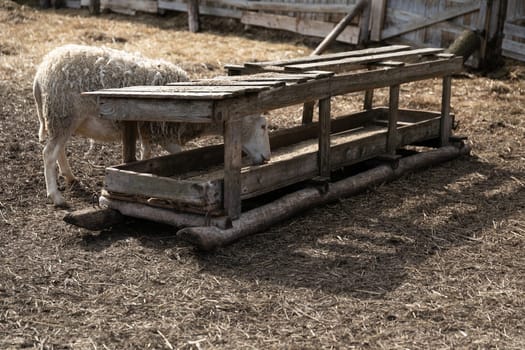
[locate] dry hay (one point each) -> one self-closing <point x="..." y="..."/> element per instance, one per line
<point x="434" y="260"/>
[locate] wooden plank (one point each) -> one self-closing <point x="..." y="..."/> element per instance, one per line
<point x="129" y="140"/>
<point x="230" y="82"/>
<point x="232" y="167"/>
<point x="514" y="50"/>
<point x="180" y="90"/>
<point x="339" y="27"/>
<point x="331" y="56"/>
<point x="179" y="5"/>
<point x="426" y="22"/>
<point x="282" y="6"/>
<point x="445" y="121"/>
<point x="156" y="110"/>
<point x="377" y="18"/>
<point x="514" y="30"/>
<point x="356" y="62"/>
<point x="324" y="137"/>
<point x="193" y="16"/>
<point x="393" y="113"/>
<point x="340" y="84"/>
<point x="163" y="95"/>
<point x="131" y="5"/>
<point x="206" y="195"/>
<point x="301" y="26"/>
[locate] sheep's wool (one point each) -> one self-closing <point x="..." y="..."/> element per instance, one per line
<point x="69" y="70"/>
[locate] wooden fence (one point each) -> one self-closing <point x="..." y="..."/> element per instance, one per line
<point x="435" y="23"/>
<point x="514" y="40"/>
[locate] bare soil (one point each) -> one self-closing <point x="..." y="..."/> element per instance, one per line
<point x="434" y="260"/>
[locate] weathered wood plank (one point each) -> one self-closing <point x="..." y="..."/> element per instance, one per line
<point x="156" y="110"/>
<point x="339" y="27"/>
<point x="173" y="95"/>
<point x="232" y="167"/>
<point x="302" y="26"/>
<point x="377" y="18"/>
<point x="445" y="121"/>
<point x="393" y="116"/>
<point x="346" y="64"/>
<point x="165" y="216"/>
<point x="129" y="140"/>
<point x="180" y="89"/>
<point x="324" y="137"/>
<point x="331" y="56"/>
<point x="206" y="195"/>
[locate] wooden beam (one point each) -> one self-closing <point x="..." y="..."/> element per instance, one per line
<point x="446" y="122"/>
<point x="426" y="22"/>
<point x="324" y="138"/>
<point x="232" y="167"/>
<point x="193" y="16"/>
<point x="313" y="28"/>
<point x="393" y="116"/>
<point x="129" y="139"/>
<point x="377" y="17"/>
<point x="338" y="29"/>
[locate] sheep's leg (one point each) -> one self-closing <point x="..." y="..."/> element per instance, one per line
<point x="63" y="164"/>
<point x="51" y="153"/>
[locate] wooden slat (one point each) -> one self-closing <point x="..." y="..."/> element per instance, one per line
<point x="129" y="140"/>
<point x="445" y="121"/>
<point x="393" y="116"/>
<point x="324" y="137"/>
<point x="426" y="22"/>
<point x="332" y="56"/>
<point x="184" y="191"/>
<point x="301" y="26"/>
<point x="155" y="110"/>
<point x="377" y="18"/>
<point x="231" y="82"/>
<point x="232" y="167"/>
<point x="356" y="62"/>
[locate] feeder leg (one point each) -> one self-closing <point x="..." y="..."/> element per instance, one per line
<point x="129" y="139"/>
<point x="445" y="124"/>
<point x="324" y="138"/>
<point x="232" y="167"/>
<point x="308" y="112"/>
<point x="392" y="137"/>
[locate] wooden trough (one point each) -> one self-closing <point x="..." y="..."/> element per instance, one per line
<point x="203" y="190"/>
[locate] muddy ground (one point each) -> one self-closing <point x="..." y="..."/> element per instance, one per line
<point x="434" y="260"/>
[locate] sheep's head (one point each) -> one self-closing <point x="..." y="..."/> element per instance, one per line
<point x="255" y="139"/>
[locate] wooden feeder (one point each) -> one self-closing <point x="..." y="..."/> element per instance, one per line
<point x="203" y="189"/>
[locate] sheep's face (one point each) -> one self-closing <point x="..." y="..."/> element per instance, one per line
<point x="255" y="139"/>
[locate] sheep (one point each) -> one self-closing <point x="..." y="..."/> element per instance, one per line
<point x="67" y="71"/>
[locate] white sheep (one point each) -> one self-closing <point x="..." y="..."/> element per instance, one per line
<point x="69" y="70"/>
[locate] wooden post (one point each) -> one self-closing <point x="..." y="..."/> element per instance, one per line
<point x="129" y="139"/>
<point x="364" y="26"/>
<point x="94" y="7"/>
<point x="232" y="167"/>
<point x="377" y="17"/>
<point x="369" y="98"/>
<point x="445" y="124"/>
<point x="308" y="112"/>
<point x="324" y="137"/>
<point x="356" y="10"/>
<point x="391" y="143"/>
<point x="193" y="16"/>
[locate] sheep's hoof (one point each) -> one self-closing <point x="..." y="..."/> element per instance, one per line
<point x="59" y="201"/>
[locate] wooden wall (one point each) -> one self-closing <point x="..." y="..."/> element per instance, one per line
<point x="514" y="41"/>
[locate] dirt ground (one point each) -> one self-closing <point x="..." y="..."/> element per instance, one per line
<point x="434" y="260"/>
